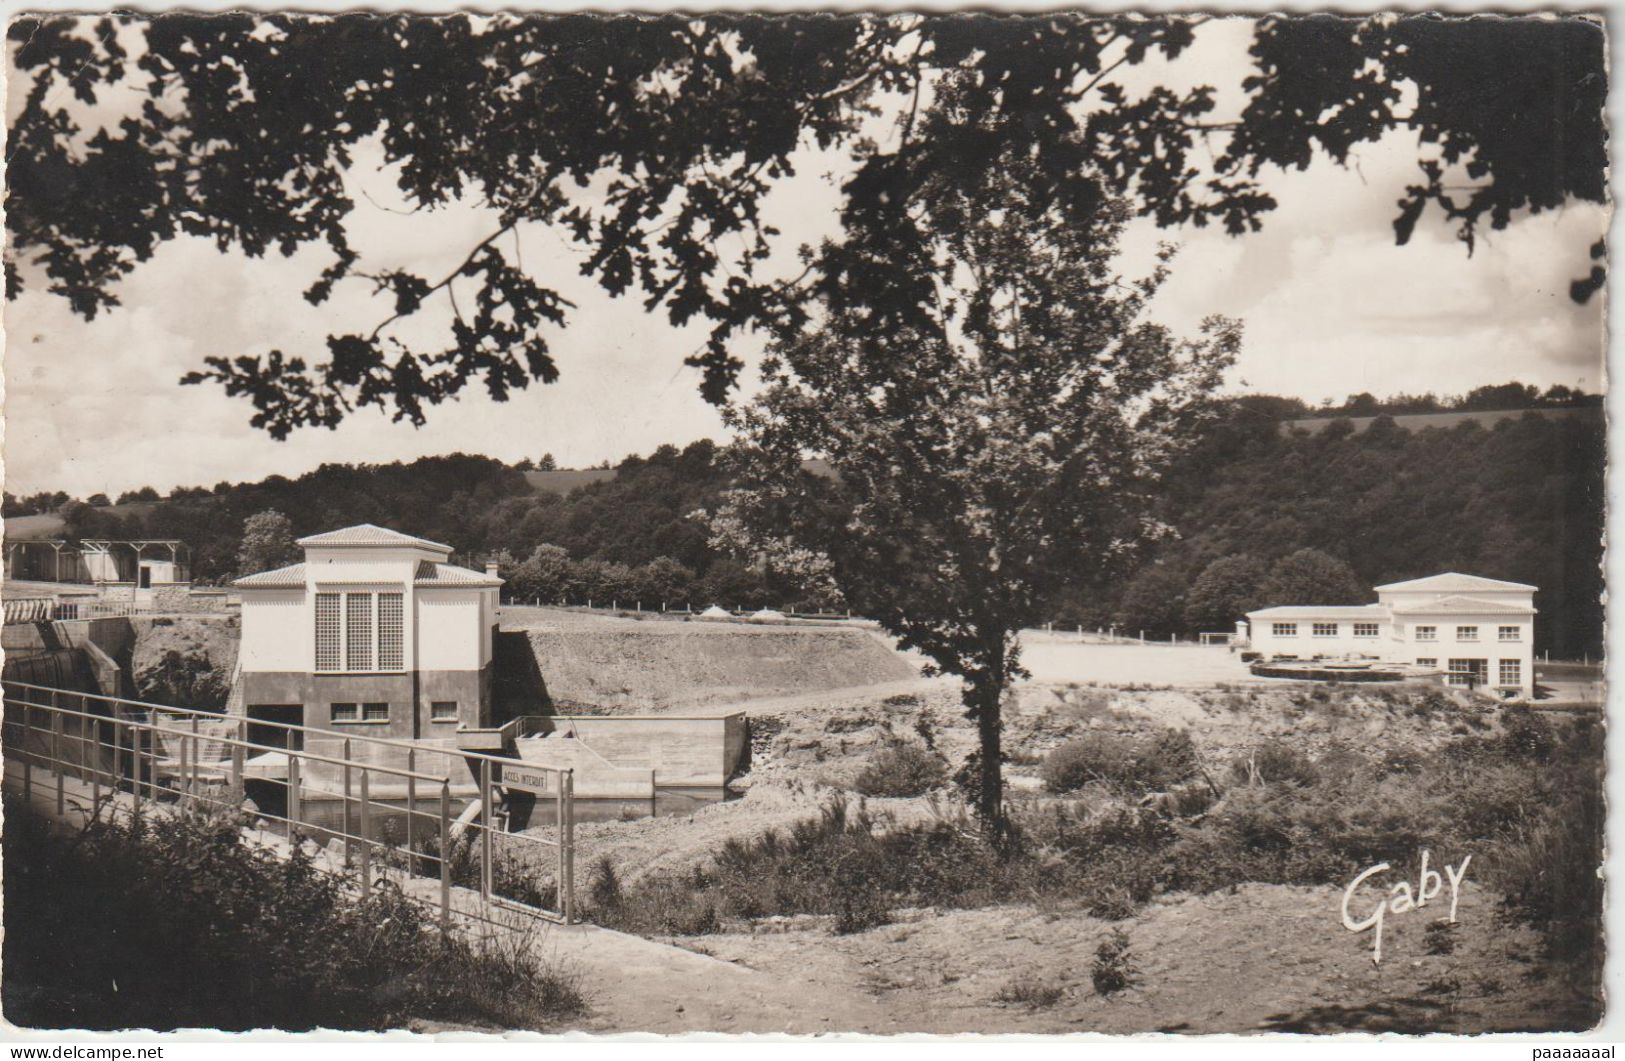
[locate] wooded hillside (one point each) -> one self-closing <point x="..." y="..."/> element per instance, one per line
<point x="1521" y="500"/>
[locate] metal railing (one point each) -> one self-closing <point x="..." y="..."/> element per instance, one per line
<point x="381" y="807"/>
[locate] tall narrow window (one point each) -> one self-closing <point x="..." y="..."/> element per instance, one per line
<point x="358" y="631"/>
<point x="391" y="637"/>
<point x="327" y="632"/>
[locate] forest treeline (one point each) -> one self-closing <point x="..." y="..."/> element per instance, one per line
<point x="1260" y="516"/>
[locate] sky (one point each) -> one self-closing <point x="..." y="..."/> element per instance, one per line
<point x="1330" y="304"/>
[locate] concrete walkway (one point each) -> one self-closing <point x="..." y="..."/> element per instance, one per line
<point x="632" y="984"/>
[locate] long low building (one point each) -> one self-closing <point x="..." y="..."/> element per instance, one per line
<point x="1479" y="631"/>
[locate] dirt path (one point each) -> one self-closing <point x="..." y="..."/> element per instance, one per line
<point x="1265" y="958"/>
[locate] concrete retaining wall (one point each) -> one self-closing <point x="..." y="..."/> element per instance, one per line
<point x="682" y="751"/>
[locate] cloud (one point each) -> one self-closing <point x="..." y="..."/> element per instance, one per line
<point x="1331" y="307"/>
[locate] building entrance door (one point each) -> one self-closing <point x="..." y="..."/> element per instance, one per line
<point x="275" y="736"/>
<point x="1470" y="673"/>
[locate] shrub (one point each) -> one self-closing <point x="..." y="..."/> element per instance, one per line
<point x="511" y="877"/>
<point x="1274" y="761"/>
<point x="1136" y="764"/>
<point x="191" y="681"/>
<point x="179" y="923"/>
<point x="1440" y="937"/>
<point x="901" y="770"/>
<point x="840" y="863"/>
<point x="1524" y="735"/>
<point x="1085" y="704"/>
<point x="1114" y="969"/>
<point x="1030" y="994"/>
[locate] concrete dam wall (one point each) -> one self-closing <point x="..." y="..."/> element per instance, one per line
<point x="638" y="666"/>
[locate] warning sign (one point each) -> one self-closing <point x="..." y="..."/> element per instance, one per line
<point x="529" y="779"/>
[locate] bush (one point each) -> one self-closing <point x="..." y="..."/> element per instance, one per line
<point x="1030" y="994"/>
<point x="178" y="923"/>
<point x="901" y="770"/>
<point x="840" y="864"/>
<point x="1274" y="761"/>
<point x="1135" y="764"/>
<point x="189" y="681"/>
<point x="1114" y="969"/>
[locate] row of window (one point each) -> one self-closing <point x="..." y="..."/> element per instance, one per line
<point x="360" y="632"/>
<point x="1421" y="633"/>
<point x="1470" y="633"/>
<point x="1476" y="671"/>
<point x="439" y="711"/>
<point x="1323" y="629"/>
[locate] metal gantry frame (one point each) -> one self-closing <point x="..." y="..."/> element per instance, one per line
<point x="151" y="758"/>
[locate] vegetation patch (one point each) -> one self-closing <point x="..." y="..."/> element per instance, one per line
<point x="1525" y="802"/>
<point x="180" y="923"/>
<point x="902" y="769"/>
<point x="1148" y="763"/>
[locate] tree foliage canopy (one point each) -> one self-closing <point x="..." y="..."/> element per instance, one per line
<point x="650" y="143"/>
<point x="267" y="543"/>
<point x="994" y="406"/>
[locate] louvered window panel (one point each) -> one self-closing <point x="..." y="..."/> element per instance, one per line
<point x="391" y="633"/>
<point x="358" y="631"/>
<point x="328" y="634"/>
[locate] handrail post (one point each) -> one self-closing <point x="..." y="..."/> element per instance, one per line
<point x="569" y="846"/>
<point x="485" y="831"/>
<point x="95" y="764"/>
<point x="197" y="756"/>
<point x="28" y="756"/>
<point x="293" y="799"/>
<point x="56" y="756"/>
<point x="348" y="843"/>
<point x="239" y="756"/>
<point x="186" y="788"/>
<point x="366" y="837"/>
<point x="117" y="777"/>
<point x="135" y="771"/>
<point x="83" y="751"/>
<point x="445" y="856"/>
<point x="558" y="834"/>
<point x="411" y="809"/>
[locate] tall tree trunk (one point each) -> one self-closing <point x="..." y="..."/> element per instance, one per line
<point x="986" y="699"/>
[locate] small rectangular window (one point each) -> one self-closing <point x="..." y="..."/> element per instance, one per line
<point x="1466" y="633"/>
<point x="443" y="711"/>
<point x="1365" y="629"/>
<point x="1511" y="672"/>
<point x="344" y="712"/>
<point x="1325" y="629"/>
<point x="1427" y="633"/>
<point x="1511" y="633"/>
<point x="1284" y="629"/>
<point x="375" y="712"/>
<point x="1427" y="661"/>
